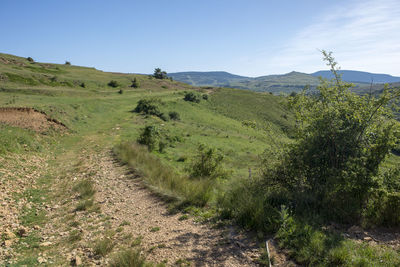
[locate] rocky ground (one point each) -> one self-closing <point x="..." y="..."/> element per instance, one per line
<point x="123" y="214"/>
<point x="17" y="174"/>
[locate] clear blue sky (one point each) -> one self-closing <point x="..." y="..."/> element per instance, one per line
<point x="246" y="37"/>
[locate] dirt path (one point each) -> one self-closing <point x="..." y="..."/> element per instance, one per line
<point x="166" y="237"/>
<point x="123" y="212"/>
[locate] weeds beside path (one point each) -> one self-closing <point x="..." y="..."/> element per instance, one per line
<point x="94" y="208"/>
<point x="164" y="237"/>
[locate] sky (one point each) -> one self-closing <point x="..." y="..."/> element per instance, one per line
<point x="244" y="37"/>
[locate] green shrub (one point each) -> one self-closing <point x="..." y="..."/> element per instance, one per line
<point x="252" y="206"/>
<point x="113" y="84"/>
<point x="181" y="159"/>
<point x="173" y="115"/>
<point x="391" y="209"/>
<point x="207" y="163"/>
<point x="135" y="83"/>
<point x="382" y="208"/>
<point x="120" y="91"/>
<point x="159" y="74"/>
<point x="30" y="59"/>
<point x="149" y="107"/>
<point x="67" y="63"/>
<point x="192" y="97"/>
<point x="149" y="137"/>
<point x="396" y="149"/>
<point x="161" y="146"/>
<point x="164" y="117"/>
<point x="205" y="96"/>
<point x="83" y="85"/>
<point x="341" y="142"/>
<point x="391" y="180"/>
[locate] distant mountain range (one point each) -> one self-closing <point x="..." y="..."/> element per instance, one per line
<point x="359" y="76"/>
<point x="293" y="81"/>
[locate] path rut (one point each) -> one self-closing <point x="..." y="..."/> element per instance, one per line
<point x="164" y="236"/>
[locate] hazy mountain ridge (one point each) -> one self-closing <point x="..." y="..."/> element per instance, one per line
<point x="289" y="82"/>
<point x="210" y="78"/>
<point x="359" y="76"/>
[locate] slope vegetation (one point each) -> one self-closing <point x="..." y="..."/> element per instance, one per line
<point x="66" y="199"/>
<point x="59" y="210"/>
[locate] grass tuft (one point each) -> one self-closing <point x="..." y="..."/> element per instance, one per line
<point x="84" y="205"/>
<point x="155" y="229"/>
<point x="131" y="258"/>
<point x="85" y="188"/>
<point x="103" y="246"/>
<point x="74" y="235"/>
<point x="137" y="241"/>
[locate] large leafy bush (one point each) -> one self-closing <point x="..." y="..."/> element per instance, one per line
<point x="342" y="139"/>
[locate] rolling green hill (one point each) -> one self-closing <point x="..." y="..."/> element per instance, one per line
<point x="20" y="74"/>
<point x="99" y="118"/>
<point x="237" y="126"/>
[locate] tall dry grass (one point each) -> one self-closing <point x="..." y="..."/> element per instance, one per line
<point x="163" y="179"/>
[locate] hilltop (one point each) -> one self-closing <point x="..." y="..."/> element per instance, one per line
<point x="20" y="73"/>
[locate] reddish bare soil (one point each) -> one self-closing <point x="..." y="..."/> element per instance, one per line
<point x="29" y="118"/>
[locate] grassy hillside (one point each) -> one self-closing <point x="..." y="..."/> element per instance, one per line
<point x="18" y="73"/>
<point x="236" y="124"/>
<point x="99" y="118"/>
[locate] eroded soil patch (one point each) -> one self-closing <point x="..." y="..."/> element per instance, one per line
<point x="29" y="118"/>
